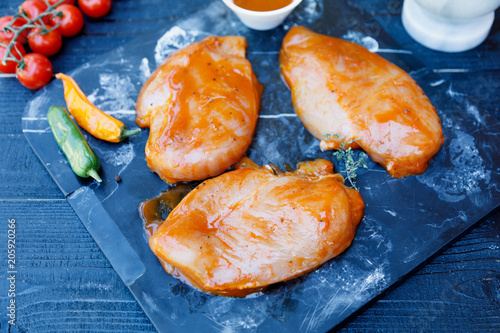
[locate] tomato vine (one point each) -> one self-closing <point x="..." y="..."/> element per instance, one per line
<point x="42" y="23"/>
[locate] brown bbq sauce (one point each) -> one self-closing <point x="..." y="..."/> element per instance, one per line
<point x="262" y="5"/>
<point x="154" y="211"/>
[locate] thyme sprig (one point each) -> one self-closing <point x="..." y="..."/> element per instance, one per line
<point x="347" y="156"/>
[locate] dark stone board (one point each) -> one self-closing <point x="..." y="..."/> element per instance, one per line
<point x="407" y="220"/>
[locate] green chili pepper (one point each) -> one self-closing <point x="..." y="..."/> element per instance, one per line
<point x="82" y="159"/>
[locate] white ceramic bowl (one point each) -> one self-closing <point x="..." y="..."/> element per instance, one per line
<point x="449" y="25"/>
<point x="262" y="20"/>
<point x="460" y="9"/>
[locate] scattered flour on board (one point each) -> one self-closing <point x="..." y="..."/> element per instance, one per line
<point x="113" y="93"/>
<point x="173" y="40"/>
<point x="306" y="14"/>
<point x="122" y="156"/>
<point x="461" y="98"/>
<point x="473" y="111"/>
<point x="228" y="315"/>
<point x="357" y="37"/>
<point x="353" y="294"/>
<point x="353" y="280"/>
<point x="462" y="216"/>
<point x="391" y="212"/>
<point x="370" y="43"/>
<point x="313" y="9"/>
<point x="437" y="83"/>
<point x="462" y="180"/>
<point x="214" y="19"/>
<point x="455" y="95"/>
<point x="144" y="69"/>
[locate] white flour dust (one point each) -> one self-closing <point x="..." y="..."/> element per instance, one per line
<point x="173" y="40"/>
<point x="122" y="156"/>
<point x="144" y="69"/>
<point x="463" y="179"/>
<point x="366" y="41"/>
<point x="461" y="98"/>
<point x="353" y="280"/>
<point x="455" y="95"/>
<point x="306" y="14"/>
<point x="227" y="315"/>
<point x="113" y="93"/>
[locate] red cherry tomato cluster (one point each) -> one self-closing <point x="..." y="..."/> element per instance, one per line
<point x="42" y="24"/>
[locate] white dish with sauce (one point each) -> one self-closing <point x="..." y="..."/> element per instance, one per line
<point x="262" y="20"/>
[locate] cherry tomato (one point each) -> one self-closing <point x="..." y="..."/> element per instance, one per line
<point x="17" y="51"/>
<point x="69" y="2"/>
<point x="48" y="43"/>
<point x="8" y="35"/>
<point x="95" y="8"/>
<point x="36" y="72"/>
<point x="34" y="8"/>
<point x="72" y="20"/>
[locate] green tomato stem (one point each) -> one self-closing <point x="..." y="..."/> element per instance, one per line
<point x="128" y="133"/>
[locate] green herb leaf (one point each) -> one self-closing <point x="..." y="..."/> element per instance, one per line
<point x="347" y="156"/>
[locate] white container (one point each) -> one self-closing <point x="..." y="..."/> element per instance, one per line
<point x="262" y="20"/>
<point x="449" y="25"/>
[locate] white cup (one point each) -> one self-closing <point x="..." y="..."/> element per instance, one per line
<point x="262" y="20"/>
<point x="449" y="25"/>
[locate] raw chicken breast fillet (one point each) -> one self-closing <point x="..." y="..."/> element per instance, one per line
<point x="252" y="227"/>
<point x="202" y="107"/>
<point x="342" y="92"/>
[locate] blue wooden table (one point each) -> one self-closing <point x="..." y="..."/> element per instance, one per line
<point x="64" y="282"/>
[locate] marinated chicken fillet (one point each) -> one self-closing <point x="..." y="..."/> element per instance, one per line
<point x="251" y="227"/>
<point x="202" y="107"/>
<point x="343" y="92"/>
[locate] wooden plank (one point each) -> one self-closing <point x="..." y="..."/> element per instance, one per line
<point x="64" y="281"/>
<point x="22" y="175"/>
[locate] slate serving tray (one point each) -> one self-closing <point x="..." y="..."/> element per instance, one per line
<point x="406" y="222"/>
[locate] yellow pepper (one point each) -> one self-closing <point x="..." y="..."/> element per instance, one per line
<point x="89" y="117"/>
